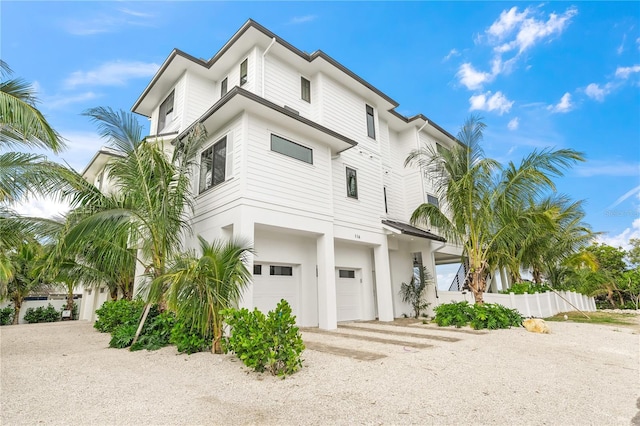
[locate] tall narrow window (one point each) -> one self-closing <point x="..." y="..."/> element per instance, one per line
<point x="243" y="72"/>
<point x="371" y="123"/>
<point x="384" y="191"/>
<point x="352" y="183"/>
<point x="305" y="89"/>
<point x="431" y="199"/>
<point x="213" y="165"/>
<point x="165" y="114"/>
<point x="223" y="87"/>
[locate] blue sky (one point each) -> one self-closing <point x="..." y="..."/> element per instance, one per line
<point x="564" y="75"/>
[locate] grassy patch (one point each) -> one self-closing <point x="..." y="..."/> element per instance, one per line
<point x="607" y="318"/>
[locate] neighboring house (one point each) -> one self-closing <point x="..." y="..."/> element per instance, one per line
<point x="305" y="159"/>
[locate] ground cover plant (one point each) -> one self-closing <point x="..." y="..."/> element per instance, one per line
<point x="269" y="342"/>
<point x="599" y="317"/>
<point x="42" y="314"/>
<point x="487" y="315"/>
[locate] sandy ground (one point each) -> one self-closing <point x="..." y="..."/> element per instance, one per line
<point x="64" y="373"/>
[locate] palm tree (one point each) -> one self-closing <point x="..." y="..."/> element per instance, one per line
<point x="199" y="288"/>
<point x="476" y="190"/>
<point x="20" y="121"/>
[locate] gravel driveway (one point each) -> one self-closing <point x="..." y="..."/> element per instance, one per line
<point x="64" y="373"/>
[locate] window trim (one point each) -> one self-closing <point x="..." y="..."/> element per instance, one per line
<point x="224" y="86"/>
<point x="348" y="273"/>
<point x="162" y="116"/>
<point x="293" y="143"/>
<point x="257" y="269"/>
<point x="244" y="75"/>
<point x="202" y="178"/>
<point x="371" y="131"/>
<point x="430" y="200"/>
<point x="304" y="81"/>
<point x="351" y="194"/>
<point x="283" y="268"/>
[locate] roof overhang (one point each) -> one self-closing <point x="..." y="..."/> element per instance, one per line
<point x="406" y="229"/>
<point x="99" y="160"/>
<point x="239" y="100"/>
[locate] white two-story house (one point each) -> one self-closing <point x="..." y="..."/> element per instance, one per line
<point x="306" y="160"/>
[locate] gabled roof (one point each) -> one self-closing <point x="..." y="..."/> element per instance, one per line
<point x="407" y="229"/>
<point x="178" y="60"/>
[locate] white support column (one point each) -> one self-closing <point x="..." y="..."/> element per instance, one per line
<point x="327" y="310"/>
<point x="504" y="279"/>
<point x="244" y="229"/>
<point x="429" y="260"/>
<point x="383" y="281"/>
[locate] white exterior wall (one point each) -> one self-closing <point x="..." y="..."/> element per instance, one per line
<point x="178" y="109"/>
<point x="282" y="85"/>
<point x="200" y="94"/>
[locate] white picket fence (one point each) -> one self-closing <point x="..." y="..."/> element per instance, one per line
<point x="539" y="305"/>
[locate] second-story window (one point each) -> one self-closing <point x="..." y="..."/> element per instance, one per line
<point x="165" y="114"/>
<point x="371" y="123"/>
<point x="223" y="87"/>
<point x="432" y="199"/>
<point x="213" y="162"/>
<point x="291" y="149"/>
<point x="305" y="89"/>
<point x="352" y="183"/>
<point x="243" y="71"/>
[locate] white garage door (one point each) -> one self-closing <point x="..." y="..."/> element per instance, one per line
<point x="348" y="294"/>
<point x="271" y="283"/>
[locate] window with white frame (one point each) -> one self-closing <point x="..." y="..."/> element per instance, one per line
<point x="305" y="89"/>
<point x="352" y="183"/>
<point x="243" y="71"/>
<point x="371" y="122"/>
<point x="165" y="115"/>
<point x="281" y="270"/>
<point x="213" y="161"/>
<point x="291" y="149"/>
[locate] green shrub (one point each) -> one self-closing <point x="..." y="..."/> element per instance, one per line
<point x="118" y="312"/>
<point x="526" y="287"/>
<point x="188" y="340"/>
<point x="122" y="336"/>
<point x="488" y="315"/>
<point x="156" y="331"/>
<point x="265" y="343"/>
<point x="6" y="315"/>
<point x="42" y="314"/>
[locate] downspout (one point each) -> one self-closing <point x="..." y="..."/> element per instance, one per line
<point x="273" y="40"/>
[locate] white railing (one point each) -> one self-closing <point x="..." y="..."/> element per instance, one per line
<point x="540" y="305"/>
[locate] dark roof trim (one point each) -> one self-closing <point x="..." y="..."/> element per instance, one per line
<point x="251" y="23"/>
<point x="422" y="117"/>
<point x="413" y="231"/>
<point x="160" y="135"/>
<point x="106" y="151"/>
<point x="238" y="91"/>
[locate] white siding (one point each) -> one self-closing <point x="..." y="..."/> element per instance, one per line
<point x="282" y="85"/>
<point x="219" y="198"/>
<point x="200" y="95"/>
<point x="285" y="182"/>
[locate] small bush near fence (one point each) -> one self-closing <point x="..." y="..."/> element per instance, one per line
<point x="488" y="315"/>
<point x="6" y="315"/>
<point x="122" y="317"/>
<point x="272" y="342"/>
<point x="526" y="287"/>
<point x="42" y="314"/>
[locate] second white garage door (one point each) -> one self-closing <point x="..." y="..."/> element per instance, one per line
<point x="348" y="294"/>
<point x="274" y="282"/>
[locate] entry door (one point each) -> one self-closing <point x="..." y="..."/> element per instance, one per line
<point x="348" y="294"/>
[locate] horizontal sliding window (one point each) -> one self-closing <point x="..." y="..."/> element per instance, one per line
<point x="291" y="149"/>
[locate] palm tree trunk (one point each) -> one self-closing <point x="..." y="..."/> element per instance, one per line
<point x="16" y="311"/>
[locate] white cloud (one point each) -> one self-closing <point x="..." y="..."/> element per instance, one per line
<point x="626" y="195"/>
<point x="513" y="124"/>
<point x="472" y="78"/>
<point x="487" y="102"/>
<point x="451" y="54"/>
<point x="594" y="91"/>
<point x="625" y="72"/>
<point x="622" y="239"/>
<point x="41" y="207"/>
<point x="61" y="101"/>
<point x="108" y="21"/>
<point x="507" y="22"/>
<point x="111" y="74"/>
<point x="302" y="19"/>
<point x="607" y="168"/>
<point x="564" y="105"/>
